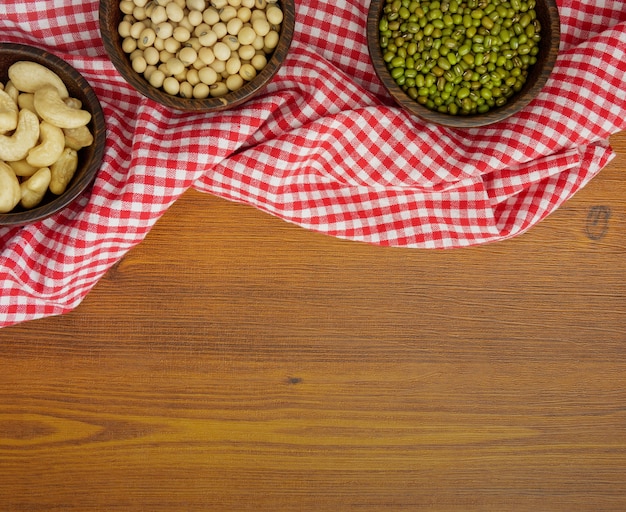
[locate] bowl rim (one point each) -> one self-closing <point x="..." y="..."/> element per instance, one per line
<point x="523" y="98"/>
<point x="75" y="188"/>
<point x="107" y="12"/>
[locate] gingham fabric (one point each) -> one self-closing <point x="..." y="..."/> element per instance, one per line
<point x="325" y="148"/>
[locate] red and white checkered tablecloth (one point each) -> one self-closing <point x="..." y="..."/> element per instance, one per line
<point x="324" y="148"/>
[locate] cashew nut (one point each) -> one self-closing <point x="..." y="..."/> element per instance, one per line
<point x="10" y="193"/>
<point x="77" y="138"/>
<point x="22" y="168"/>
<point x="26" y="100"/>
<point x="51" y="107"/>
<point x="42" y="129"/>
<point x="29" y="76"/>
<point x="25" y="137"/>
<point x="62" y="171"/>
<point x="74" y="103"/>
<point x="8" y="113"/>
<point x="34" y="188"/>
<point x="12" y="91"/>
<point x="50" y="148"/>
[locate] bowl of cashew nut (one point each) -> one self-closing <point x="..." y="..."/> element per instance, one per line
<point x="52" y="134"/>
<point x="197" y="55"/>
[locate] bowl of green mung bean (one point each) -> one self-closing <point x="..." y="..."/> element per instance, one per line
<point x="463" y="63"/>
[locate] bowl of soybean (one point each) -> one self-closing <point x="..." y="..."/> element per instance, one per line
<point x="187" y="54"/>
<point x="463" y="63"/>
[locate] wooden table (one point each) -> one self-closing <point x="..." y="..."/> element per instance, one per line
<point x="234" y="362"/>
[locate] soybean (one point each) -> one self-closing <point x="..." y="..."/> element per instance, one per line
<point x="197" y="48"/>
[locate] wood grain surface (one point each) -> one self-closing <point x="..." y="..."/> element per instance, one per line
<point x="234" y="362"/>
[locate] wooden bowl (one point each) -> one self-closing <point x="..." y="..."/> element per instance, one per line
<point x="548" y="16"/>
<point x="89" y="158"/>
<point x="110" y="17"/>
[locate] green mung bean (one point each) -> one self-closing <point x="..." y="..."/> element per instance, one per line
<point x="459" y="56"/>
